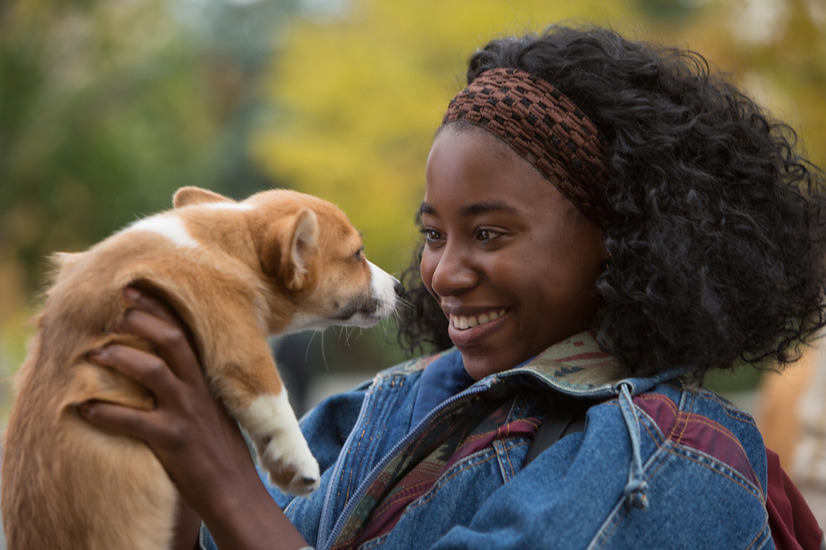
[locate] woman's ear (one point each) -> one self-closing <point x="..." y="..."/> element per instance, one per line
<point x="186" y="196"/>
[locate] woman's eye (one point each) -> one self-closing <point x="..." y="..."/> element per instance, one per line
<point x="485" y="234"/>
<point x="431" y="235"/>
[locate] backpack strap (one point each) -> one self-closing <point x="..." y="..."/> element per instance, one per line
<point x="566" y="416"/>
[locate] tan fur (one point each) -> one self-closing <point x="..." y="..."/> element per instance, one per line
<point x="280" y="261"/>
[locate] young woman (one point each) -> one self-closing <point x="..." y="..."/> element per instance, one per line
<point x="604" y="222"/>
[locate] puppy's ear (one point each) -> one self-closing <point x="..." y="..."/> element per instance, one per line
<point x="290" y="248"/>
<point x="186" y="196"/>
<point x="302" y="248"/>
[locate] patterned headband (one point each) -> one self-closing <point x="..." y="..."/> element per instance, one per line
<point x="544" y="127"/>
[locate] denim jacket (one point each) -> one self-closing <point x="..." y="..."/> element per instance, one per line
<point x="659" y="464"/>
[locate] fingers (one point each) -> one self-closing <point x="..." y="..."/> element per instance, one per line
<point x="165" y="332"/>
<point x="162" y="432"/>
<point x="124" y="420"/>
<point x="146" y="368"/>
<point x="148" y="303"/>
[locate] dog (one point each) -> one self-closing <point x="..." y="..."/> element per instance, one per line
<point x="235" y="272"/>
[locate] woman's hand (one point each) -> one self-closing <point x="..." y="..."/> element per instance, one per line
<point x="190" y="432"/>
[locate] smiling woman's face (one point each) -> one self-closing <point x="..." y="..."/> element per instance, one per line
<point x="509" y="259"/>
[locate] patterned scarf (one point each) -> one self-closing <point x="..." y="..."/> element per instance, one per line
<point x="413" y="472"/>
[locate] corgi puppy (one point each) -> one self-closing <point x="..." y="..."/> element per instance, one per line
<point x="235" y="272"/>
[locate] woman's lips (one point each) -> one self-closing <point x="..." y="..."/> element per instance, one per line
<point x="465" y="330"/>
<point x="464" y="322"/>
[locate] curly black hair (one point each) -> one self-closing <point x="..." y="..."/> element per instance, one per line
<point x="716" y="228"/>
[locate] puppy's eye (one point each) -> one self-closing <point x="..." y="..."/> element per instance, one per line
<point x="359" y="255"/>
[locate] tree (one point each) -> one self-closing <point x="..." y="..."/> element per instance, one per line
<point x="101" y="115"/>
<point x="107" y="107"/>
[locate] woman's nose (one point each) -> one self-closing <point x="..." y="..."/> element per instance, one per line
<point x="454" y="272"/>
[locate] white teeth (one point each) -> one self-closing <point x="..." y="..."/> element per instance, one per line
<point x="463" y="322"/>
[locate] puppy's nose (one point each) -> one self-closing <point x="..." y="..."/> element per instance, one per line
<point x="398" y="287"/>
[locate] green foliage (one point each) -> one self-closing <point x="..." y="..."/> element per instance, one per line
<point x="103" y="113"/>
<point x="107" y="107"/>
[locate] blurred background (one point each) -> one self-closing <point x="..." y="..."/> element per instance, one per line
<point x="107" y="107"/>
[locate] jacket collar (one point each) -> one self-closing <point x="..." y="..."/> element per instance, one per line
<point x="579" y="367"/>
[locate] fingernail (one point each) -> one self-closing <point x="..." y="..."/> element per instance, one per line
<point x="98" y="355"/>
<point x="131" y="294"/>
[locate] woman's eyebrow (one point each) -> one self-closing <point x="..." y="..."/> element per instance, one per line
<point x="474" y="208"/>
<point x="488" y="206"/>
<point x="425" y="208"/>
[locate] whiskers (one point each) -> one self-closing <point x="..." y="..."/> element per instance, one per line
<point x="402" y="303"/>
<point x="321" y="348"/>
<point x="348" y="333"/>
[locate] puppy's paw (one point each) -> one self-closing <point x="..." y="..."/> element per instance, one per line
<point x="282" y="450"/>
<point x="290" y="464"/>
